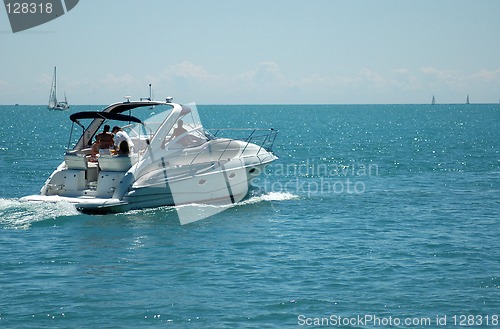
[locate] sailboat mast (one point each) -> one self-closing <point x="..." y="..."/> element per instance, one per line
<point x="52" y="96"/>
<point x="55" y="84"/>
<point x="54" y="87"/>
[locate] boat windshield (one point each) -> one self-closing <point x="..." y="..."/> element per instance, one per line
<point x="187" y="130"/>
<point x="150" y="123"/>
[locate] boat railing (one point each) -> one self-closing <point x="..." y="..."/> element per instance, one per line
<point x="259" y="136"/>
<point x="263" y="138"/>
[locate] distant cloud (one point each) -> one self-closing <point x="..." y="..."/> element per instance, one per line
<point x="452" y="78"/>
<point x="44" y="80"/>
<point x="122" y="81"/>
<point x="406" y="80"/>
<point x="459" y="81"/>
<point x="487" y="76"/>
<point x="187" y="69"/>
<point x="264" y="76"/>
<point x="372" y="78"/>
<point x="267" y="82"/>
<point x="402" y="71"/>
<point x="267" y="73"/>
<point x="4" y="84"/>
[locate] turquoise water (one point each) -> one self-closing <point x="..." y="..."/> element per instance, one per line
<point x="382" y="211"/>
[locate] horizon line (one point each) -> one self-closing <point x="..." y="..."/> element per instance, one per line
<point x="260" y="104"/>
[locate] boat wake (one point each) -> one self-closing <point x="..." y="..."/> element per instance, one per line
<point x="190" y="213"/>
<point x="15" y="214"/>
<point x="271" y="196"/>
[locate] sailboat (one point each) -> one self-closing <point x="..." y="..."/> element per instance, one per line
<point x="467" y="100"/>
<point x="53" y="103"/>
<point x="433" y="102"/>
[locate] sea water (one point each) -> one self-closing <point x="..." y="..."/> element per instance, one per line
<point x="374" y="215"/>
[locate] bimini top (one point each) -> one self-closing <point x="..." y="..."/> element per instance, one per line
<point x="103" y="115"/>
<point x="153" y="120"/>
<point x="130" y="105"/>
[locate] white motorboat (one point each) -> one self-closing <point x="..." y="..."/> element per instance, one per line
<point x="163" y="168"/>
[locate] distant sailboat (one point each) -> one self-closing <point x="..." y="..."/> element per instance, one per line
<point x="53" y="103"/>
<point x="467" y="100"/>
<point x="433" y="102"/>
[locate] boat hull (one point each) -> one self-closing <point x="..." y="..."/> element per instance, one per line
<point x="226" y="185"/>
<point x="84" y="204"/>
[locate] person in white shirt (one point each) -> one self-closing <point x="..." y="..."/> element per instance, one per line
<point x="120" y="136"/>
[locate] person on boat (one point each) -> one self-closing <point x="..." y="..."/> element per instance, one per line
<point x="179" y="130"/>
<point x="103" y="140"/>
<point x="123" y="149"/>
<point x="121" y="136"/>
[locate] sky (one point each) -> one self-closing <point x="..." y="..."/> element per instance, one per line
<point x="258" y="52"/>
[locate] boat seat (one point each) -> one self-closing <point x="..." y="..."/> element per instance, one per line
<point x="76" y="161"/>
<point x="117" y="162"/>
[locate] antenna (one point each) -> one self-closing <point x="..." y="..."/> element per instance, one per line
<point x="151" y="97"/>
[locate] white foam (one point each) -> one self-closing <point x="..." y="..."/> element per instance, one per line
<point x="271" y="196"/>
<point x="190" y="213"/>
<point x="20" y="215"/>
